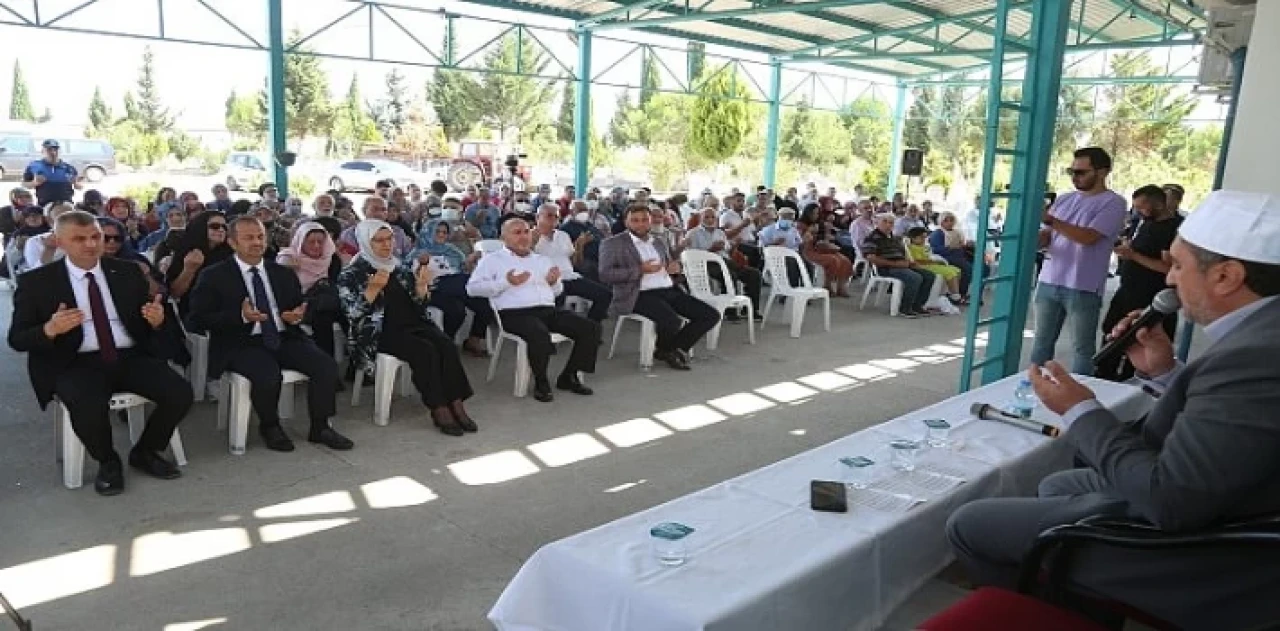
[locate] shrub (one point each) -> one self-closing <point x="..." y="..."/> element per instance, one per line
<point x="141" y="193"/>
<point x="301" y="186"/>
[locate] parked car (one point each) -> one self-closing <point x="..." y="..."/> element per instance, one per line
<point x="245" y="170"/>
<point x="94" y="159"/>
<point x="365" y="174"/>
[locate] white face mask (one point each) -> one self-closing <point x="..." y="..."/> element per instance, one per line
<point x="522" y="207"/>
<point x="582" y="217"/>
<point x="451" y="214"/>
<point x="593" y="204"/>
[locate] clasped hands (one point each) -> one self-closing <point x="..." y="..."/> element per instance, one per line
<point x="291" y="317"/>
<point x="654" y="266"/>
<point x="517" y="279"/>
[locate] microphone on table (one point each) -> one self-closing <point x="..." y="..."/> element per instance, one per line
<point x="1166" y="303"/>
<point x="988" y="412"/>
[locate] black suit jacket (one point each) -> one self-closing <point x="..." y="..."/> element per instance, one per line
<point x="39" y="293"/>
<point x="216" y="302"/>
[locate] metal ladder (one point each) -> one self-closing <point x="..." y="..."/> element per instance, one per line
<point x="1035" y="113"/>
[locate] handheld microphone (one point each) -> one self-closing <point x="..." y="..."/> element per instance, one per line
<point x="1166" y="303"/>
<point x="988" y="412"/>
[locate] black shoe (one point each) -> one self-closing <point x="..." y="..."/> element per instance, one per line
<point x="153" y="464"/>
<point x="758" y="317"/>
<point x="275" y="438"/>
<point x="684" y="356"/>
<point x="330" y="438"/>
<point x="571" y="384"/>
<point x="542" y="393"/>
<point x="445" y="422"/>
<point x="110" y="480"/>
<point x="673" y="359"/>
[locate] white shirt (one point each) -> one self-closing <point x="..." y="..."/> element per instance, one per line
<point x="273" y="309"/>
<point x="80" y="286"/>
<point x="701" y="238"/>
<point x="489" y="280"/>
<point x="34" y="249"/>
<point x="730" y="219"/>
<point x="559" y="248"/>
<point x="654" y="280"/>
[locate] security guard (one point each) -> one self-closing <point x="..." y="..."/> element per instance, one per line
<point x="52" y="179"/>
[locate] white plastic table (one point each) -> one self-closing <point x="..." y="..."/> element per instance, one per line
<point x="761" y="559"/>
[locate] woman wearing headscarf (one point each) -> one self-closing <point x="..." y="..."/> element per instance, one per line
<point x="386" y="305"/>
<point x="311" y="256"/>
<point x="203" y="244"/>
<point x="449" y="294"/>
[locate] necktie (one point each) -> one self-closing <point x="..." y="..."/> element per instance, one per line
<point x="101" y="324"/>
<point x="270" y="334"/>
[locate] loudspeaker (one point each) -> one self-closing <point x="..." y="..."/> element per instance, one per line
<point x="912" y="162"/>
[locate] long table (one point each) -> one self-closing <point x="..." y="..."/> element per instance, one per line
<point x="760" y="558"/>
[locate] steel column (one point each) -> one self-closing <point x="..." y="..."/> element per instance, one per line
<point x="278" y="132"/>
<point x="582" y="116"/>
<point x="895" y="147"/>
<point x="775" y="116"/>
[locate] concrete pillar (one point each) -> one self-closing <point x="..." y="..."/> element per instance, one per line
<point x="1251" y="160"/>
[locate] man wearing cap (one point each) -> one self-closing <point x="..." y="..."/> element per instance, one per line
<point x="1208" y="453"/>
<point x="52" y="179"/>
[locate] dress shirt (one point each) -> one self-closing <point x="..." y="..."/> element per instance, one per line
<point x="34" y="248"/>
<point x="489" y="280"/>
<point x="730" y="219"/>
<point x="274" y="307"/>
<point x="1216" y="330"/>
<point x="790" y="236"/>
<point x="559" y="248"/>
<point x="701" y="238"/>
<point x="80" y="286"/>
<point x="653" y="280"/>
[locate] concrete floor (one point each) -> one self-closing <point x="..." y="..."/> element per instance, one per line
<point x="417" y="530"/>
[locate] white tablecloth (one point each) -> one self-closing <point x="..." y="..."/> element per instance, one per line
<point x="760" y="558"/>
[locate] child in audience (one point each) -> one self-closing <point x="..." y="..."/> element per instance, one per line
<point x="919" y="252"/>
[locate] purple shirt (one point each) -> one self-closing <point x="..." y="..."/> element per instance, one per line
<point x="1077" y="266"/>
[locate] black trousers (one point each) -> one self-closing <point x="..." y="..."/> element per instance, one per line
<point x="755" y="256"/>
<point x="437" y="366"/>
<point x="322" y="329"/>
<point x="85" y="388"/>
<point x="665" y="307"/>
<point x="535" y="325"/>
<point x="750" y="277"/>
<point x="1124" y="302"/>
<point x="599" y="295"/>
<point x="450" y="296"/>
<point x="262" y="368"/>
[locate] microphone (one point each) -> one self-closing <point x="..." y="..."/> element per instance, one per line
<point x="988" y="412"/>
<point x="1165" y="303"/>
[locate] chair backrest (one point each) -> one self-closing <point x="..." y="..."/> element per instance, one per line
<point x="488" y="246"/>
<point x="173" y="304"/>
<point x="497" y="317"/>
<point x="775" y="261"/>
<point x="697" y="271"/>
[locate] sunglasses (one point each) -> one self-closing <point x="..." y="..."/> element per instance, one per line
<point x="1079" y="172"/>
<point x="217" y="226"/>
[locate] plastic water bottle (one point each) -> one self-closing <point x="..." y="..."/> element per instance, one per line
<point x="1024" y="399"/>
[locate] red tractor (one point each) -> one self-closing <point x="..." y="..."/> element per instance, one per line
<point x="484" y="162"/>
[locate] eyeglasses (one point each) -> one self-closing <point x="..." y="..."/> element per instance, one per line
<point x="217" y="226"/>
<point x="1079" y="172"/>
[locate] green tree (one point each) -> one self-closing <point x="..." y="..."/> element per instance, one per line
<point x="451" y="95"/>
<point x="20" y="108"/>
<point x="870" y="127"/>
<point x="697" y="59"/>
<point x="306" y="92"/>
<point x="149" y="112"/>
<point x="664" y="120"/>
<point x="814" y="137"/>
<point x="650" y="78"/>
<point x="506" y="100"/>
<point x="1075" y="119"/>
<point x="390" y="112"/>
<point x="130" y="107"/>
<point x="621" y="131"/>
<point x="184" y="146"/>
<point x="720" y="119"/>
<point x="352" y="127"/>
<point x="100" y="119"/>
<point x="568" y="106"/>
<point x="915" y="129"/>
<point x="243" y="118"/>
<point x="1139" y="117"/>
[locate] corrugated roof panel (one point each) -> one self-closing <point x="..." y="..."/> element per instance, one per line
<point x="809" y="24"/>
<point x="885" y="15"/>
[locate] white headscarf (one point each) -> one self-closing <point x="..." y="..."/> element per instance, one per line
<point x="364" y="236"/>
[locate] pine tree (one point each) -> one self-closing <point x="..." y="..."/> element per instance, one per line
<point x="650" y="79"/>
<point x="100" y="119"/>
<point x="720" y="119"/>
<point x="506" y="100"/>
<point x="450" y="94"/>
<point x="621" y="132"/>
<point x="352" y="127"/>
<point x="568" y="110"/>
<point x="150" y="114"/>
<point x="697" y="59"/>
<point x="306" y="92"/>
<point x="242" y="117"/>
<point x="389" y="112"/>
<point x="20" y="108"/>
<point x="915" y="130"/>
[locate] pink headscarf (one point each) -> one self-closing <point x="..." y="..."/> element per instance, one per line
<point x="310" y="270"/>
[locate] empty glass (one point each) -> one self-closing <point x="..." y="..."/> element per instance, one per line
<point x="936" y="432"/>
<point x="903" y="454"/>
<point x="668" y="543"/>
<point x="856" y="471"/>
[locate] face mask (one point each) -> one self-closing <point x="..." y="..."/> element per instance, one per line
<point x="433" y="212"/>
<point x="582" y="217"/>
<point x="658" y="229"/>
<point x="784" y="224"/>
<point x="451" y="214"/>
<point x="522" y="207"/>
<point x="593" y="204"/>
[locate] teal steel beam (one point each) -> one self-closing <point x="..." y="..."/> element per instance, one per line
<point x="620" y="12"/>
<point x="276" y="122"/>
<point x="986" y="53"/>
<point x="894" y="32"/>
<point x="775" y="116"/>
<point x="582" y="116"/>
<point x="895" y="148"/>
<point x="1050" y="24"/>
<point x="73" y="11"/>
<point x="711" y="16"/>
<point x="1086" y="48"/>
<point x="934" y="14"/>
<point x="978" y="83"/>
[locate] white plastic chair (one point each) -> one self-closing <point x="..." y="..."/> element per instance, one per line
<point x="697" y="272"/>
<point x="523" y="371"/>
<point x="390" y="376"/>
<point x="488" y="246"/>
<point x="880" y="284"/>
<point x="234" y="405"/>
<point x="648" y="338"/>
<point x="198" y="371"/>
<point x="775" y="260"/>
<point x="71" y="451"/>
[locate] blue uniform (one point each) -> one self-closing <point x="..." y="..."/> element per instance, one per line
<point x="59" y="185"/>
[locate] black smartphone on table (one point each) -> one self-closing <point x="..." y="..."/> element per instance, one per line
<point x="828" y="497"/>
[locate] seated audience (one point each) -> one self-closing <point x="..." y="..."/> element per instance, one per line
<point x="374" y="208"/>
<point x="523" y="286"/>
<point x="252" y="308"/>
<point x="311" y="256"/>
<point x="708" y="238"/>
<point x="43" y="249"/>
<point x="204" y="244"/>
<point x="387" y="307"/>
<point x="107" y="338"/>
<point x="566" y="254"/>
<point x="950" y="243"/>
<point x="483" y="214"/>
<point x="889" y="255"/>
<point x="452" y="269"/>
<point x="582" y="221"/>
<point x="910" y="219"/>
<point x="819" y="248"/>
<point x="918" y="251"/>
<point x="31" y="224"/>
<point x="639" y="266"/>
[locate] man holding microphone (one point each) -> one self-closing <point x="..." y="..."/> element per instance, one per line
<point x="1208" y="453"/>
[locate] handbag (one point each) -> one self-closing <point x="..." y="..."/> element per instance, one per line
<point x="322" y="298"/>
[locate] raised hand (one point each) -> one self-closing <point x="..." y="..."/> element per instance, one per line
<point x="153" y="312"/>
<point x="63" y="320"/>
<point x="379" y="280"/>
<point x="295" y="315"/>
<point x="517" y="279"/>
<point x="250" y="313"/>
<point x="193" y="259"/>
<point x="1151" y="352"/>
<point x="584" y="238"/>
<point x="673" y="267"/>
<point x="424" y="276"/>
<point x="553" y="276"/>
<point x="651" y="266"/>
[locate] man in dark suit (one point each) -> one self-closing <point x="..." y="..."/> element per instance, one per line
<point x="251" y="308"/>
<point x="639" y="267"/>
<point x="90" y="329"/>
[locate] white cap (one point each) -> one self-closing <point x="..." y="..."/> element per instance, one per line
<point x="1236" y="224"/>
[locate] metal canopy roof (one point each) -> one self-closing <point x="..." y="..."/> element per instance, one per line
<point x="894" y="37"/>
